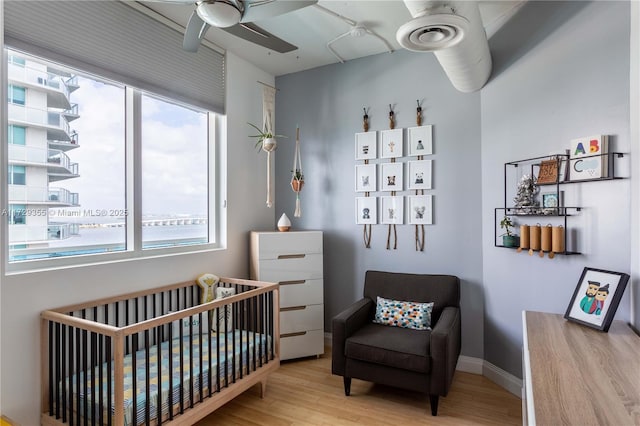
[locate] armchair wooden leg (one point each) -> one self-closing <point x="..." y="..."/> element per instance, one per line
<point x="433" y="399"/>
<point x="347" y="385"/>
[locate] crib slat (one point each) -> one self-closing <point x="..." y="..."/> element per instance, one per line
<point x="181" y="368"/>
<point x="147" y="377"/>
<point x="56" y="376"/>
<point x="217" y="350"/>
<point x="93" y="337"/>
<point x="78" y="370"/>
<point x="209" y="349"/>
<point x="134" y="372"/>
<point x="109" y="392"/>
<point x="191" y="383"/>
<point x="63" y="373"/>
<point x="201" y="355"/>
<point x="100" y="379"/>
<point x="159" y="373"/>
<point x="70" y="352"/>
<point x="52" y="388"/>
<point x="233" y="346"/>
<point x="85" y="365"/>
<point x="170" y="366"/>
<point x="255" y="328"/>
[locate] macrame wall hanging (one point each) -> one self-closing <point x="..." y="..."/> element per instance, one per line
<point x="297" y="178"/>
<point x="268" y="125"/>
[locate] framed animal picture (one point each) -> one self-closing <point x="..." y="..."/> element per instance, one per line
<point x="391" y="143"/>
<point x="392" y="210"/>
<point x="420" y="140"/>
<point x="420" y="209"/>
<point x="419" y="174"/>
<point x="366" y="146"/>
<point x="391" y="177"/>
<point x="366" y="178"/>
<point x="366" y="210"/>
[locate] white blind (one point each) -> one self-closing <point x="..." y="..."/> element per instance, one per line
<point x="116" y="41"/>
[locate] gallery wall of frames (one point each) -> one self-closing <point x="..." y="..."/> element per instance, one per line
<point x="393" y="170"/>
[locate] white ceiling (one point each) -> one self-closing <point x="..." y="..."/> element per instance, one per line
<point x="311" y="29"/>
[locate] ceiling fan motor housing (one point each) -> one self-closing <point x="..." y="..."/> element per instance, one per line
<point x="454" y="32"/>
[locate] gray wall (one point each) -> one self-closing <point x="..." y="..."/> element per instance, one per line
<point x="327" y="103"/>
<point x="561" y="70"/>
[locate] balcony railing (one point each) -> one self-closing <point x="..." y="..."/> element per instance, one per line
<point x="38" y="77"/>
<point x="26" y="234"/>
<point x="24" y="194"/>
<point x="58" y="158"/>
<point x="49" y="120"/>
<point x="55" y="159"/>
<point x="63" y="196"/>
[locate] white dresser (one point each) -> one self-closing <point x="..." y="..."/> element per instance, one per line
<point x="294" y="260"/>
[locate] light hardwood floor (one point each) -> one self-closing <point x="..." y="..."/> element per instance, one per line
<point x="304" y="392"/>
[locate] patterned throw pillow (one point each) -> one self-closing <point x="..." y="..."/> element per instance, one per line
<point x="398" y="313"/>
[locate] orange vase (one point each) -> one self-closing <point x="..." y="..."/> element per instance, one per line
<point x="297" y="185"/>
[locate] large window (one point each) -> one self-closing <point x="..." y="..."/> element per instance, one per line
<point x="174" y="173"/>
<point x="126" y="171"/>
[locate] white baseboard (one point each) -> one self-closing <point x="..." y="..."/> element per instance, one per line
<point x="503" y="379"/>
<point x="470" y="364"/>
<point x="474" y="365"/>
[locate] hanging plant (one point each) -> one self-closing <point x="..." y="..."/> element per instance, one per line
<point x="297" y="180"/>
<point x="266" y="140"/>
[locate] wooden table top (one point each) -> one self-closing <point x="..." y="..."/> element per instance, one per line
<point x="582" y="376"/>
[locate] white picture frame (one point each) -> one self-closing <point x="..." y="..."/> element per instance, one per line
<point x="420" y="209"/>
<point x="366" y="145"/>
<point x="391" y="143"/>
<point x="366" y="210"/>
<point x="419" y="174"/>
<point x="366" y="178"/>
<point x="420" y="140"/>
<point x="391" y="177"/>
<point x="392" y="210"/>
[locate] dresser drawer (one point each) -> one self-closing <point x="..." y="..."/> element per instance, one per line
<point x="306" y="343"/>
<point x="304" y="318"/>
<point x="301" y="292"/>
<point x="303" y="268"/>
<point x="271" y="245"/>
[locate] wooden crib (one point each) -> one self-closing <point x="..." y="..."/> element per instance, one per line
<point x="188" y="358"/>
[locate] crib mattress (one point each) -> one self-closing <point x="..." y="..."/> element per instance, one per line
<point x="193" y="377"/>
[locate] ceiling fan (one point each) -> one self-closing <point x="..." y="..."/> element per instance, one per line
<point x="236" y="17"/>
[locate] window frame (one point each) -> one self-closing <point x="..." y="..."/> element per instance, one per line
<point x="216" y="193"/>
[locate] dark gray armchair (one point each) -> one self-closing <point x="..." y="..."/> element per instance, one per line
<point x="419" y="360"/>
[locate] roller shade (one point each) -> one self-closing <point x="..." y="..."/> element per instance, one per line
<point x="116" y="41"/>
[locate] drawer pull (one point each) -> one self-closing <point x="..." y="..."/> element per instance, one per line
<point x="299" y="333"/>
<point x="293" y="308"/>
<point x="291" y="256"/>
<point x="292" y="282"/>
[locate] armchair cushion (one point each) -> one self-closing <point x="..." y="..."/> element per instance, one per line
<point x="398" y="313"/>
<point x="391" y="346"/>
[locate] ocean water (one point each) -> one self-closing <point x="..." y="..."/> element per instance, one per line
<point x="104" y="239"/>
<point x="150" y="234"/>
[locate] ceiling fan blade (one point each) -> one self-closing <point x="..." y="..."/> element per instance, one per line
<point x="255" y="34"/>
<point x="256" y="10"/>
<point x="194" y="33"/>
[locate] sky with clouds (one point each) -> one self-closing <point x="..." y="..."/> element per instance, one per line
<point x="174" y="153"/>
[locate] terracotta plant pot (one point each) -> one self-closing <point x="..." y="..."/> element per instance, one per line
<point x="297" y="185"/>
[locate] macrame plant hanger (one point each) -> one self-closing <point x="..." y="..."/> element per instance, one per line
<point x="268" y="125"/>
<point x="297" y="178"/>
